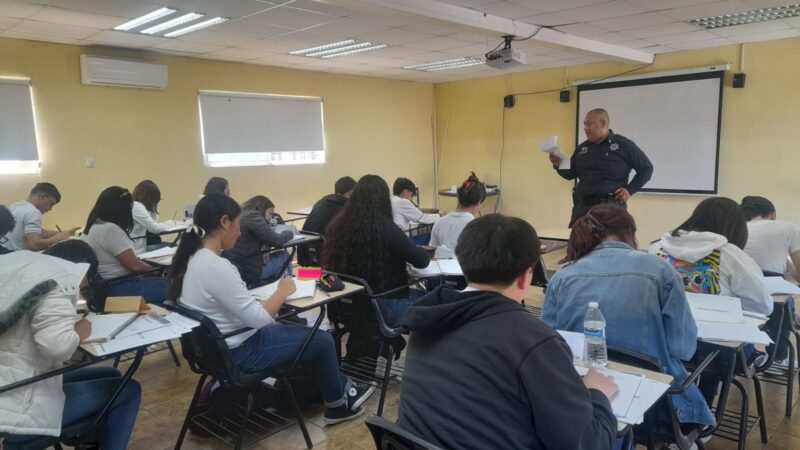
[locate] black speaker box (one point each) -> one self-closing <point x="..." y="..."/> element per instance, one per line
<point x="738" y="80"/>
<point x="563" y="96"/>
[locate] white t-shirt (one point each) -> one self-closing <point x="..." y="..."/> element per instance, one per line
<point x="404" y="211"/>
<point x="144" y="221"/>
<point x="446" y="232"/>
<point x="28" y="221"/>
<point x="108" y="240"/>
<point x="213" y="287"/>
<point x="770" y="242"/>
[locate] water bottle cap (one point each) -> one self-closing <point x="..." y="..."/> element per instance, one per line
<point x="593" y="305"/>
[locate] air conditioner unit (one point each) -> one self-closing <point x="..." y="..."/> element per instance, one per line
<point x="122" y="73"/>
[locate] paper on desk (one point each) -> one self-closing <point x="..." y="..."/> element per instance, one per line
<point x="737" y="332"/>
<point x="777" y="285"/>
<point x="303" y="289"/>
<point x="136" y="340"/>
<point x="163" y="251"/>
<point x="715" y="308"/>
<point x="142" y="324"/>
<point x="178" y="226"/>
<point x="551" y="146"/>
<point x="576" y="342"/>
<point x="649" y="392"/>
<point x="437" y="267"/>
<point x="450" y="266"/>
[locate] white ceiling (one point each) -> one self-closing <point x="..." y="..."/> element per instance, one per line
<point x="264" y="31"/>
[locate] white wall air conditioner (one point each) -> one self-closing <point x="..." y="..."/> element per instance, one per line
<point x="122" y="73"/>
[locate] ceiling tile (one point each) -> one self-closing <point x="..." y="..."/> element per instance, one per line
<point x="325" y="8"/>
<point x="636" y="44"/>
<point x="77" y="18"/>
<point x="558" y="5"/>
<point x="751" y="28"/>
<point x="709" y="43"/>
<point x="436" y="43"/>
<point x="292" y="18"/>
<point x="659" y="49"/>
<point x="613" y="38"/>
<point x="226" y="8"/>
<point x="471" y="50"/>
<point x="660" y="30"/>
<point x="508" y="9"/>
<point x="660" y="5"/>
<point x="387" y="19"/>
<point x="266" y="45"/>
<point x="547" y="20"/>
<point x="119" y="8"/>
<point x="683" y="37"/>
<point x="303" y="39"/>
<point x="232" y="52"/>
<point x="122" y="39"/>
<point x="52" y="29"/>
<point x="711" y="9"/>
<point x="9" y="33"/>
<point x="476" y="38"/>
<point x="349" y="28"/>
<point x="582" y="29"/>
<point x="255" y="29"/>
<point x="436" y="29"/>
<point x="792" y="22"/>
<point x="402" y="52"/>
<point x="6" y="22"/>
<point x="775" y="35"/>
<point x="397" y="36"/>
<point x="187" y="47"/>
<point x="212" y="36"/>
<point x="630" y="22"/>
<point x="18" y="10"/>
<point x="613" y="9"/>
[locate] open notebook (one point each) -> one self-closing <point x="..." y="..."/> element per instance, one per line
<point x="106" y="326"/>
<point x="304" y="289"/>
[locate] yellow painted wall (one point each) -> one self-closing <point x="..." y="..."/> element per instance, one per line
<point x="759" y="150"/>
<point x="371" y="126"/>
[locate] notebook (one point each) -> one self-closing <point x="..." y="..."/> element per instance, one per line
<point x="106" y="326"/>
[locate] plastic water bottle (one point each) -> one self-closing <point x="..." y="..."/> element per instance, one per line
<point x="594" y="330"/>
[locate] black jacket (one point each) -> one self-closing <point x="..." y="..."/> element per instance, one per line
<point x="481" y="373"/>
<point x="321" y="215"/>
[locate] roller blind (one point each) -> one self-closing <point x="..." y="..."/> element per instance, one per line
<point x="241" y="129"/>
<point x="17" y="131"/>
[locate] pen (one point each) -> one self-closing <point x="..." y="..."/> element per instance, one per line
<point x="58" y="228"/>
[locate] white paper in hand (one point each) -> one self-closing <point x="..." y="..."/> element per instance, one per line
<point x="550" y="145"/>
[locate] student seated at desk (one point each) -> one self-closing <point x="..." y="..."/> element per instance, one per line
<point x="404" y="211"/>
<point x="770" y="242"/>
<point x="202" y="280"/>
<point x="217" y="185"/>
<point x="640" y="295"/>
<point x="6" y="225"/>
<point x="321" y="215"/>
<point x="38" y="333"/>
<point x="257" y="235"/>
<point x="107" y="232"/>
<point x="482" y="373"/>
<point x="146" y="196"/>
<point x="707" y="252"/>
<point x="28" y="232"/>
<point x="445" y="233"/>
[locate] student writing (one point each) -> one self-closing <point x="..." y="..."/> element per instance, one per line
<point x="28" y="233"/>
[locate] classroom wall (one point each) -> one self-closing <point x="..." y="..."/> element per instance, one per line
<point x="758" y="149"/>
<point x="371" y="126"/>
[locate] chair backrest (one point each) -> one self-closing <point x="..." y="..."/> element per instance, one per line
<point x="635" y="359"/>
<point x="361" y="309"/>
<point x="389" y="436"/>
<point x="205" y="348"/>
<point x="774" y="328"/>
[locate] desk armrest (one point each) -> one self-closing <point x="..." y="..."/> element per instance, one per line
<point x="692" y="378"/>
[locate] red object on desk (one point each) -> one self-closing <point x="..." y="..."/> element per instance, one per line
<point x="309" y="273"/>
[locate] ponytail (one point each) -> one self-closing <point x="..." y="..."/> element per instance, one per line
<point x="602" y="221"/>
<point x="206" y="219"/>
<point x="471" y="192"/>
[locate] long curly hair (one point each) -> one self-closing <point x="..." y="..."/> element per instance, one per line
<point x="354" y="244"/>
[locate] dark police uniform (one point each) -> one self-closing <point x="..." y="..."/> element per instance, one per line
<point x="601" y="169"/>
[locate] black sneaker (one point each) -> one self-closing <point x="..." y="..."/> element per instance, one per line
<point x="340" y="414"/>
<point x="358" y="394"/>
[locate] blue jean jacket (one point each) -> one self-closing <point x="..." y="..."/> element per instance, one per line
<point x="644" y="303"/>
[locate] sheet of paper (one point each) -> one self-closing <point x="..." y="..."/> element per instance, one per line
<point x="742" y="332"/>
<point x="649" y="392"/>
<point x="715" y="308"/>
<point x="136" y="340"/>
<point x="304" y="289"/>
<point x="144" y="323"/>
<point x="163" y="251"/>
<point x="178" y="226"/>
<point x="105" y="324"/>
<point x="178" y="321"/>
<point x="628" y="388"/>
<point x="550" y="145"/>
<point x="450" y="266"/>
<point x="431" y="270"/>
<point x="777" y="285"/>
<point x="576" y="342"/>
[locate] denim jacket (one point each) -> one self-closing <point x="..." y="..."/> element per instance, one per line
<point x="644" y="303"/>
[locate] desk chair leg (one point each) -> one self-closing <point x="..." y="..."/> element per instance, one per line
<point x="387" y="371"/>
<point x="116" y="361"/>
<point x="790" y="375"/>
<point x="297" y="413"/>
<point x="245" y="419"/>
<point x="742" y="443"/>
<point x="200" y="383"/>
<point x="762" y="418"/>
<point x="174" y="355"/>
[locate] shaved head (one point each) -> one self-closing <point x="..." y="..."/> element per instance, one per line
<point x="595" y="125"/>
<point x="599" y="114"/>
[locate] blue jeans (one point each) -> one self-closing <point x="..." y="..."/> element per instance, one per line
<point x="153" y="289"/>
<point x="277" y="344"/>
<point x="272" y="269"/>
<point x="86" y="391"/>
<point x="395" y="309"/>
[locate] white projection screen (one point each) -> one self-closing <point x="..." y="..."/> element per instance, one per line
<point x="675" y="120"/>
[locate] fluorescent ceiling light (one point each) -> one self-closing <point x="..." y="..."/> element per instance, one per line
<point x="149" y="17"/>
<point x="322" y="47"/>
<point x="172" y="23"/>
<point x="197" y="26"/>
<point x="341" y="48"/>
<point x="447" y="64"/>
<point x="753" y="16"/>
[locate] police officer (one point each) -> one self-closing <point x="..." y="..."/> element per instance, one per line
<point x="602" y="164"/>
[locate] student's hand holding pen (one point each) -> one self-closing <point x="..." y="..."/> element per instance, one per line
<point x="605" y="384"/>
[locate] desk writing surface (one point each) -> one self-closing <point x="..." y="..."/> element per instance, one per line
<point x="300" y="212"/>
<point x="554" y="234"/>
<point x="165" y="260"/>
<point x="320" y="297"/>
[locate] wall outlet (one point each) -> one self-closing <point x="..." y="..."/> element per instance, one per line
<point x="90" y="162"/>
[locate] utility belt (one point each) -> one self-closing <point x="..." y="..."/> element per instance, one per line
<point x="592" y="200"/>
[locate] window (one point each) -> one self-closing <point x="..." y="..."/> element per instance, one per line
<point x="18" y="149"/>
<point x="240" y="129"/>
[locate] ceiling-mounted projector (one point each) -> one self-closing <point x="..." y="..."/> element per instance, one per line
<point x="506" y="58"/>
